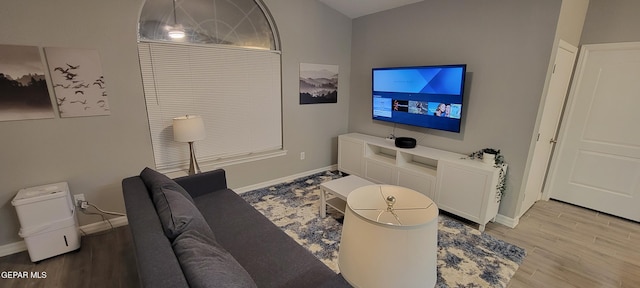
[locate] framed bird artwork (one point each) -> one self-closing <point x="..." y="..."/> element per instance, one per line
<point x="78" y="82"/>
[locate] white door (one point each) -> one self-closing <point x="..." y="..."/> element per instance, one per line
<point x="554" y="102"/>
<point x="598" y="159"/>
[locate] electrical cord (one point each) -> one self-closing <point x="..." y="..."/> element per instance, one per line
<point x="106" y="212"/>
<point x="83" y="209"/>
<point x="104" y="219"/>
<point x="393" y="132"/>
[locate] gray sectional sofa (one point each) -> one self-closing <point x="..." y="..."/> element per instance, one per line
<point x="195" y="232"/>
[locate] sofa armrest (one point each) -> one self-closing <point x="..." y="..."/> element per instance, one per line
<point x="203" y="183"/>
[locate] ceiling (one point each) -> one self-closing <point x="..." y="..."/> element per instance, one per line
<point x="356" y="8"/>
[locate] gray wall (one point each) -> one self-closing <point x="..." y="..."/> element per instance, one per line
<point x="506" y="45"/>
<point x="611" y="21"/>
<point x="93" y="154"/>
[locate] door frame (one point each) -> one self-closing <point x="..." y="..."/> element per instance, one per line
<point x="577" y="65"/>
<point x="541" y="195"/>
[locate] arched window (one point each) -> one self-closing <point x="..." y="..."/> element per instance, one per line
<point x="245" y="23"/>
<point x="225" y="68"/>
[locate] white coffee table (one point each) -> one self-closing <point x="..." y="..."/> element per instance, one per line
<point x="334" y="193"/>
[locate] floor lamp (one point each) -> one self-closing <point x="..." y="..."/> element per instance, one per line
<point x="389" y="238"/>
<point x="189" y="128"/>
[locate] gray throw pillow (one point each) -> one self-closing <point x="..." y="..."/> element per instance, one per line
<point x="176" y="212"/>
<point x="153" y="179"/>
<point x="206" y="264"/>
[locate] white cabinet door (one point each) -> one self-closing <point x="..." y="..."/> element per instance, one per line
<point x="350" y="155"/>
<point x="378" y="171"/>
<point x="425" y="184"/>
<point x="468" y="190"/>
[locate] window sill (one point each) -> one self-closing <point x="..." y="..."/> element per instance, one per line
<point x="182" y="169"/>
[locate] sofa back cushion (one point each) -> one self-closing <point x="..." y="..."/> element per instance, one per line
<point x="206" y="264"/>
<point x="176" y="212"/>
<point x="157" y="264"/>
<point x="203" y="261"/>
<point x="153" y="179"/>
<point x="174" y="205"/>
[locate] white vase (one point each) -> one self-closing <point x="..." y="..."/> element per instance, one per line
<point x="489" y="158"/>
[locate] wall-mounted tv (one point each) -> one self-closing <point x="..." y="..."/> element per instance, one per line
<point x="424" y="96"/>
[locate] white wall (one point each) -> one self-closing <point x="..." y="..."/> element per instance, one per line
<point x="95" y="153"/>
<point x="506" y="46"/>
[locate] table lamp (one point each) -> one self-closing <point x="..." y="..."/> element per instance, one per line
<point x="389" y="238"/>
<point x="189" y="128"/>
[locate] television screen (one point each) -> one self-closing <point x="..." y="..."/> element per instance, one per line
<point x="424" y="96"/>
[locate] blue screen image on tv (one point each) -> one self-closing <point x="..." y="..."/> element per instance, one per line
<point x="424" y="96"/>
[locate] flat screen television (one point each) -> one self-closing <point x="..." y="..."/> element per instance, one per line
<point x="424" y="96"/>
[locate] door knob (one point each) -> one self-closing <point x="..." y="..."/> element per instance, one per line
<point x="553" y="141"/>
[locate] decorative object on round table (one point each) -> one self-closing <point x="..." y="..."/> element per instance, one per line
<point x="389" y="238"/>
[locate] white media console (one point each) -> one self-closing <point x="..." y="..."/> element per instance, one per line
<point x="463" y="187"/>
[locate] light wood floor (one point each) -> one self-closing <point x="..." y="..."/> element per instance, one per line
<point x="567" y="246"/>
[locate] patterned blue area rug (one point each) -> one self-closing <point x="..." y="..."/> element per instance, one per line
<point x="466" y="257"/>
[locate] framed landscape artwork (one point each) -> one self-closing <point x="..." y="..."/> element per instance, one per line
<point x="23" y="87"/>
<point x="318" y="83"/>
<point x="77" y="81"/>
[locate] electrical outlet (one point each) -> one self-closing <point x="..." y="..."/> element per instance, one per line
<point x="302" y="155"/>
<point x="77" y="198"/>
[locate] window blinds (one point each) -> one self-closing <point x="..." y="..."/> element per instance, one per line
<point x="236" y="91"/>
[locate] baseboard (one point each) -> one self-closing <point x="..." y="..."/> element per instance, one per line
<point x="507" y="221"/>
<point x="104" y="225"/>
<point x="12" y="248"/>
<point x="283" y="179"/>
<point x="17" y="247"/>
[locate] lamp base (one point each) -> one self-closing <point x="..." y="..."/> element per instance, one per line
<point x="193" y="163"/>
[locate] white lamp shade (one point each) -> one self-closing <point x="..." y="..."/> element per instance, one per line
<point x="188" y="128"/>
<point x="380" y="249"/>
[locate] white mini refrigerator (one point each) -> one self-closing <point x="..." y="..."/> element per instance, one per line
<point x="48" y="220"/>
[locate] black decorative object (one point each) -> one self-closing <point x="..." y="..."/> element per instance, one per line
<point x="405" y="142"/>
